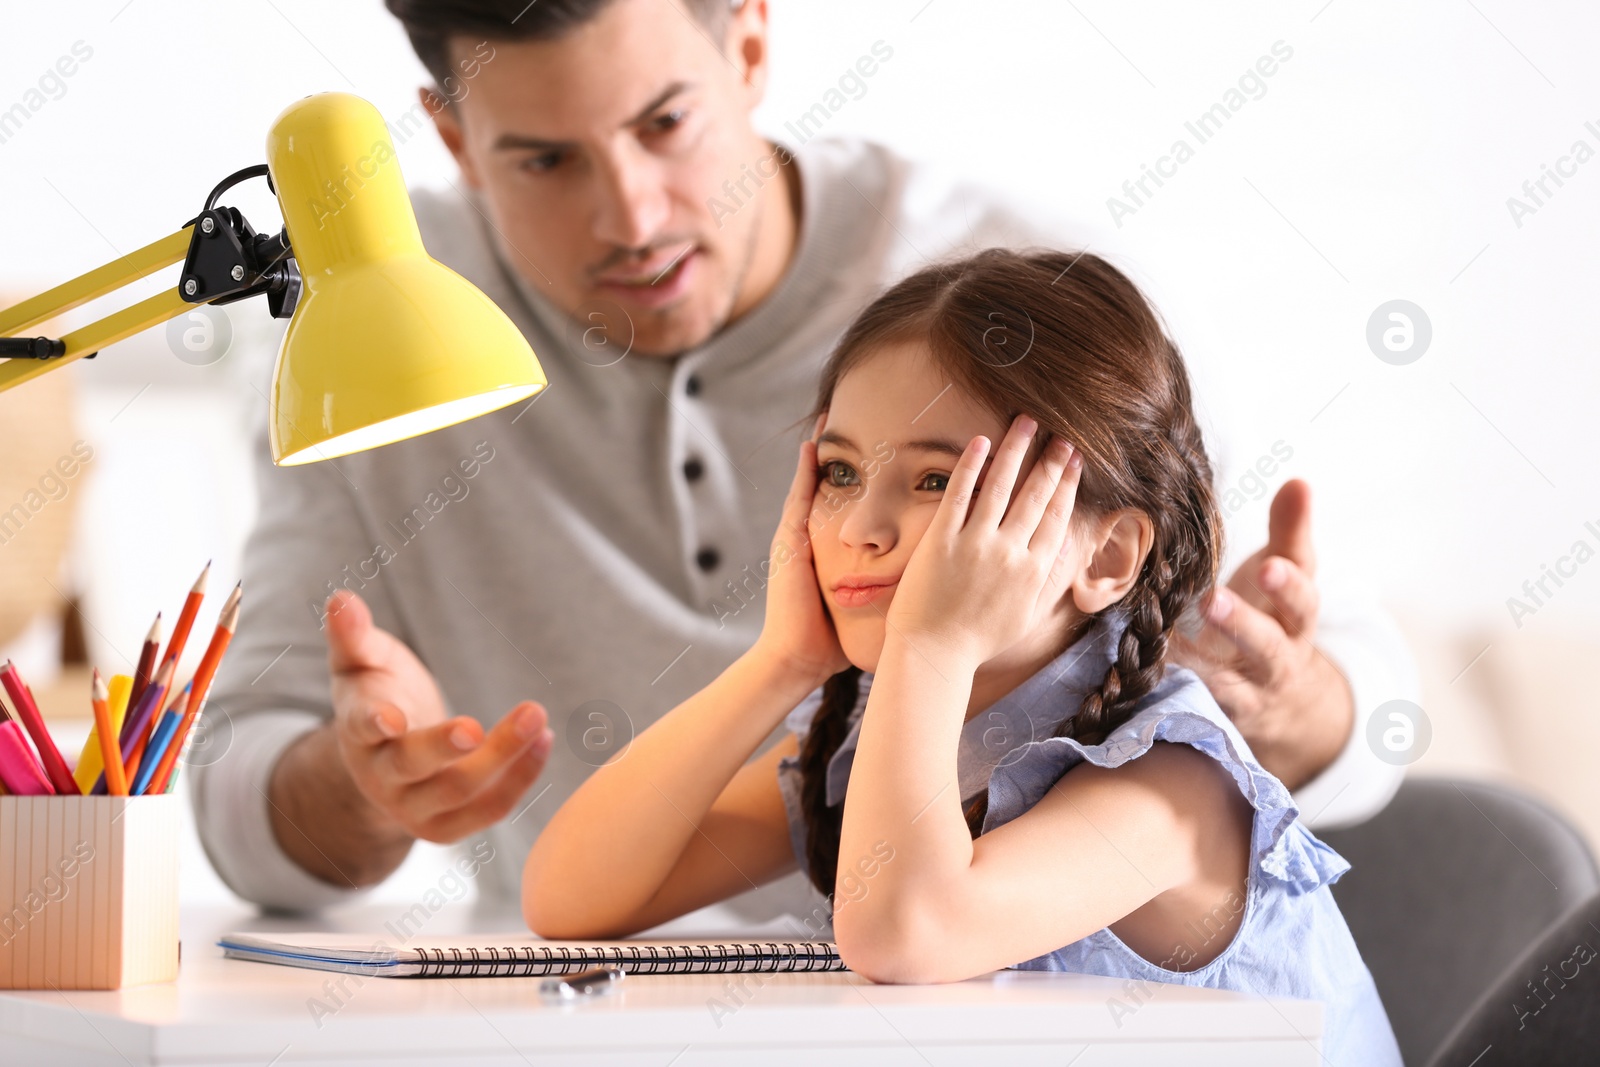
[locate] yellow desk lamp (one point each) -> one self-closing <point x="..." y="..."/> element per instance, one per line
<point x="383" y="342"/>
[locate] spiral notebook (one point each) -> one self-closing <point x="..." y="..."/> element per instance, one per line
<point x="525" y="957"/>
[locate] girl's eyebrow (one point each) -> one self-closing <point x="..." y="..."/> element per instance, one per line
<point x="937" y="444"/>
<point x="941" y="445"/>
<point x="831" y="437"/>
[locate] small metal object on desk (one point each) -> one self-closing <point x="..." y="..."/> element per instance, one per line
<point x="591" y="983"/>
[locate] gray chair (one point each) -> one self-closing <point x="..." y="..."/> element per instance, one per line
<point x="1449" y="885"/>
<point x="1545" y="1009"/>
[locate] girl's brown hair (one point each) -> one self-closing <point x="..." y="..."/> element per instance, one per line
<point x="1067" y="339"/>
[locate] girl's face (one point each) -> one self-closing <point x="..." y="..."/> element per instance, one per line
<point x="894" y="430"/>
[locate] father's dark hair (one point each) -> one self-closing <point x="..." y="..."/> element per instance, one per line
<point x="432" y="23"/>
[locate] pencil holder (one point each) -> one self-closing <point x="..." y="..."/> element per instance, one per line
<point x="88" y="891"/>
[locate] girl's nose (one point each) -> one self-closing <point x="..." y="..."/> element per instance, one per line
<point x="867" y="524"/>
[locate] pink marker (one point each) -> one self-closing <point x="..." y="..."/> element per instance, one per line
<point x="50" y="757"/>
<point x="18" y="769"/>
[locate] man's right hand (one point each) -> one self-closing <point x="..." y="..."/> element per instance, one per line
<point x="348" y="799"/>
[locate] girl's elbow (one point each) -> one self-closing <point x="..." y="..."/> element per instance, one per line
<point x="555" y="911"/>
<point x="551" y="913"/>
<point x="555" y="920"/>
<point x="904" y="948"/>
<point x="542" y="914"/>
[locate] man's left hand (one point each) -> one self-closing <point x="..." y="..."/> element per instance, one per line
<point x="1256" y="651"/>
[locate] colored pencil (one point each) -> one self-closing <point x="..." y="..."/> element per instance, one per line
<point x="226" y="625"/>
<point x="5" y="717"/>
<point x="180" y="635"/>
<point x="91" y="762"/>
<point x="18" y="769"/>
<point x="55" y="767"/>
<point x="147" y="661"/>
<point x="135" y="725"/>
<point x="186" y="617"/>
<point x="158" y="745"/>
<point x="116" y="783"/>
<point x="133" y="744"/>
<point x="121" y="689"/>
<point x="173" y="708"/>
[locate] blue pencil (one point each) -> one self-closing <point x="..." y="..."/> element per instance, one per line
<point x="152" y="753"/>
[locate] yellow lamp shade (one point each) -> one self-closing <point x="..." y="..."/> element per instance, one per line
<point x="385" y="342"/>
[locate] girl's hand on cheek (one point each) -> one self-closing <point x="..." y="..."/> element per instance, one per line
<point x="978" y="580"/>
<point x="798" y="631"/>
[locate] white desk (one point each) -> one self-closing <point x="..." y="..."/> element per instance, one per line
<point x="231" y="1012"/>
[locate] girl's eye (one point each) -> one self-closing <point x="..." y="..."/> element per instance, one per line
<point x="934" y="482"/>
<point x="839" y="475"/>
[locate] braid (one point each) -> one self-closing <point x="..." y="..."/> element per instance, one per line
<point x="1178" y="572"/>
<point x="1140" y="662"/>
<point x="1141" y="659"/>
<point x="829" y="727"/>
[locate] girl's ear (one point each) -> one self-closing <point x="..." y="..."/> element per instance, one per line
<point x="1121" y="542"/>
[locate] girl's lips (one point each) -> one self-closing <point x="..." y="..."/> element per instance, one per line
<point x="859" y="596"/>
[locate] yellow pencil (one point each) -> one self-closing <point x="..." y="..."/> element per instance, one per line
<point x="91" y="762"/>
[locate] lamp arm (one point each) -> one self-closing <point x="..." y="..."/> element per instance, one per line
<point x="95" y="284"/>
<point x="84" y="288"/>
<point x="97" y="335"/>
<point x="224" y="260"/>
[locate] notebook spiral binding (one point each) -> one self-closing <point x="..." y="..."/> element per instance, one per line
<point x="545" y="961"/>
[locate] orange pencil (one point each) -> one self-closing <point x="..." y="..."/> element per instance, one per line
<point x="227" y="606"/>
<point x="226" y="625"/>
<point x="180" y="636"/>
<point x="147" y="662"/>
<point x="186" y="617"/>
<point x="110" y="754"/>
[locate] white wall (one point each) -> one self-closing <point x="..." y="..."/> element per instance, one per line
<point x="1377" y="165"/>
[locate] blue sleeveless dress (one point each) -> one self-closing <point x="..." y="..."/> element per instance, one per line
<point x="1292" y="941"/>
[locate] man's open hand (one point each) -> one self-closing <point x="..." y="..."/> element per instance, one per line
<point x="1256" y="651"/>
<point x="438" y="778"/>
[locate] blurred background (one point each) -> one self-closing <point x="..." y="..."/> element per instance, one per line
<point x="1394" y="153"/>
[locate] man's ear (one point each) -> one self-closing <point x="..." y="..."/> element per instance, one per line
<point x="746" y="46"/>
<point x="1122" y="541"/>
<point x="448" y="123"/>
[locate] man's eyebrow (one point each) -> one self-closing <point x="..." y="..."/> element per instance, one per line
<point x="660" y="98"/>
<point x="522" y="142"/>
<point x="517" y="142"/>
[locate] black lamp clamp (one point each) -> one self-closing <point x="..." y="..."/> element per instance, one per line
<point x="229" y="261"/>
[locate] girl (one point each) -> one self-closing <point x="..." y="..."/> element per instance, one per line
<point x="999" y="768"/>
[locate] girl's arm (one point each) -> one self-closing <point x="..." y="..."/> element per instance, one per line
<point x="1156" y="848"/>
<point x="678" y="820"/>
<point x="1164" y="836"/>
<point x="673" y="823"/>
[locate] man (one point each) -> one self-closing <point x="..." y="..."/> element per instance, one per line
<point x="600" y="550"/>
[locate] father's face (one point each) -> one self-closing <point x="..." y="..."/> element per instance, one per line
<point x="597" y="154"/>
